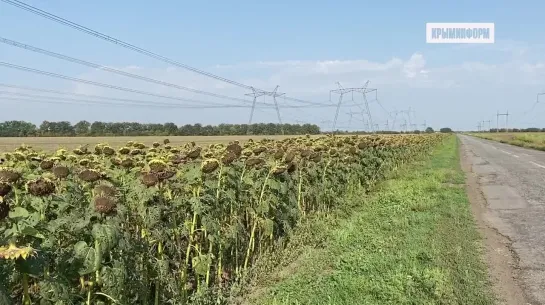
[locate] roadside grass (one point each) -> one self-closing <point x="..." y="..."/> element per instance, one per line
<point x="411" y="241"/>
<point x="533" y="140"/>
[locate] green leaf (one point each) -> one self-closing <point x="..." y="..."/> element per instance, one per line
<point x="86" y="255"/>
<point x="30" y="231"/>
<point x="106" y="235"/>
<point x="18" y="212"/>
<point x="201" y="263"/>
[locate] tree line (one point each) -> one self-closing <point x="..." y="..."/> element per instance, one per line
<point x="85" y="128"/>
<point x="531" y="129"/>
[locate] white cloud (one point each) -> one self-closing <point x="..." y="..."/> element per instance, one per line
<point x="415" y="66"/>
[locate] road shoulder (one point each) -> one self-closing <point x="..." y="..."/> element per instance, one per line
<point x="501" y="260"/>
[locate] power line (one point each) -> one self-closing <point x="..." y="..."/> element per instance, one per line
<point x="70" y="102"/>
<point x="127" y="45"/>
<point x="116" y="41"/>
<point x="131" y="101"/>
<point x="126" y="104"/>
<point x="26" y="69"/>
<point x="73" y="94"/>
<point x="116" y="71"/>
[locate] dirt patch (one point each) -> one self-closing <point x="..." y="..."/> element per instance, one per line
<point x="502" y="262"/>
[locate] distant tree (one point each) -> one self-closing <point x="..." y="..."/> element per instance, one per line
<point x="98" y="128"/>
<point x="82" y="128"/>
<point x="445" y="130"/>
<point x="429" y="130"/>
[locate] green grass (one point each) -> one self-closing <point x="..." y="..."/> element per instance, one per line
<point x="534" y="140"/>
<point x="413" y="241"/>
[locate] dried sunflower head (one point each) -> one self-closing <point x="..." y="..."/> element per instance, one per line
<point x="124" y="150"/>
<point x="290" y="155"/>
<point x="175" y="159"/>
<point x="61" y="171"/>
<point x="194" y="153"/>
<point x="127" y="163"/>
<point x="104" y="204"/>
<point x="315" y="157"/>
<point x="166" y="141"/>
<point x="292" y="166"/>
<point x="46" y="164"/>
<point x="9" y="175"/>
<point x="164" y="175"/>
<point x="78" y="152"/>
<point x="5" y="188"/>
<point x="135" y="152"/>
<point x="234" y="148"/>
<point x="156" y="144"/>
<point x="149" y="179"/>
<point x="4" y="210"/>
<point x="279" y="154"/>
<point x="305" y="153"/>
<point x="116" y="161"/>
<point x="254" y="162"/>
<point x="140" y="145"/>
<point x="209" y="165"/>
<point x="89" y="175"/>
<point x="98" y="149"/>
<point x="71" y="158"/>
<point x="40" y="187"/>
<point x="105" y="190"/>
<point x="228" y="158"/>
<point x="84" y="162"/>
<point x="157" y="165"/>
<point x="277" y="170"/>
<point x="108" y="151"/>
<point x="259" y="150"/>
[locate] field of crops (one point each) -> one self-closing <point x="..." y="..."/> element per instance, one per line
<point x="170" y="224"/>
<point x="535" y="140"/>
<point x="53" y="143"/>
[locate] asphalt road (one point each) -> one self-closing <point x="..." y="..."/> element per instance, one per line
<point x="512" y="180"/>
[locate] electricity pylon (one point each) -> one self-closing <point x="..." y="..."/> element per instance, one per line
<point x="258" y="93"/>
<point x="506" y="114"/>
<point x="362" y="90"/>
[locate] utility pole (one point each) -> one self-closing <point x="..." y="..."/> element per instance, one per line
<point x="387" y="126"/>
<point x="506" y="114"/>
<point x="363" y="90"/>
<point x="408" y="112"/>
<point x="488" y="125"/>
<point x="395" y="117"/>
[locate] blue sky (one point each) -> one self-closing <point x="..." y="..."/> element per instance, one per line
<point x="303" y="46"/>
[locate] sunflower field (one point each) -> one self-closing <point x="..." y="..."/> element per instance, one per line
<point x="162" y="224"/>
